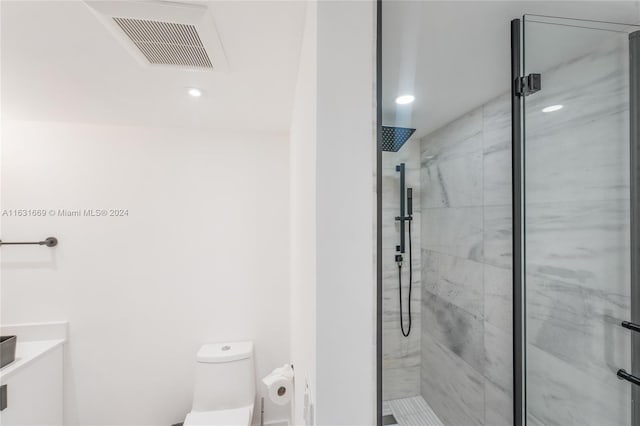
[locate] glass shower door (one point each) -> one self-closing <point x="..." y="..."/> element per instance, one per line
<point x="576" y="216"/>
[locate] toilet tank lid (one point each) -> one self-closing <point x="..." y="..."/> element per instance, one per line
<point x="225" y="352"/>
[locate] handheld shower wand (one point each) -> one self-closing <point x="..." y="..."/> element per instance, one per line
<point x="400" y="248"/>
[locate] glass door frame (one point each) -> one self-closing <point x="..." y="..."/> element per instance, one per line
<point x="517" y="202"/>
<point x="378" y="217"/>
<point x="519" y="224"/>
<point x="634" y="151"/>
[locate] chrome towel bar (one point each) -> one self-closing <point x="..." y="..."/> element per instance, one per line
<point x="49" y="242"/>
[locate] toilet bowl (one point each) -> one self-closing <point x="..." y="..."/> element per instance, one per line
<point x="225" y="387"/>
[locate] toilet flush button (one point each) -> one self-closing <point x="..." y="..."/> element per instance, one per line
<point x="224" y="351"/>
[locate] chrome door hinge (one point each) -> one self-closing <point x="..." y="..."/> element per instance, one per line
<point x="528" y="85"/>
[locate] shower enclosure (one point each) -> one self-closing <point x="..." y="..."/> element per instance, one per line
<point x="526" y="244"/>
<point x="575" y="208"/>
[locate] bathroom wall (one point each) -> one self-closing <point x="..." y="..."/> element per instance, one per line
<point x="577" y="212"/>
<point x="346" y="149"/>
<point x="303" y="239"/>
<point x="202" y="256"/>
<point x="332" y="212"/>
<point x="577" y="253"/>
<point x="466" y="268"/>
<point x="401" y="355"/>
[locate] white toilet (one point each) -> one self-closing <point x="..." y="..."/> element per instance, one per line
<point x="225" y="386"/>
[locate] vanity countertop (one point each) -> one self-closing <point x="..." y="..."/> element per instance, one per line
<point x="27" y="352"/>
<point x="34" y="341"/>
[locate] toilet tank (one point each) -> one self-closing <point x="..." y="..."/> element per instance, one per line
<point x="225" y="376"/>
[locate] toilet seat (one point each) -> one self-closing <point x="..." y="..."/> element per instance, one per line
<point x="235" y="417"/>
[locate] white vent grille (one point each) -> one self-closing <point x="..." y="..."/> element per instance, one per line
<point x="166" y="43"/>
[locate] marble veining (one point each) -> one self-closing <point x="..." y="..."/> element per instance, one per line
<point x="454" y="279"/>
<point x="588" y="239"/>
<point x="496" y="149"/>
<point x="453" y="180"/>
<point x="498" y="361"/>
<point x="454" y="138"/>
<point x="498" y="406"/>
<point x="577" y="282"/>
<point x="560" y="394"/>
<point x="577" y="241"/>
<point x="579" y="326"/>
<point x="466" y="268"/>
<point x="454" y="328"/>
<point x="456" y="231"/>
<point x="498" y="306"/>
<point x="453" y="388"/>
<point x="497" y="236"/>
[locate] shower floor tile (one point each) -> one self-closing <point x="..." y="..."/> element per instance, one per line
<point x="412" y="411"/>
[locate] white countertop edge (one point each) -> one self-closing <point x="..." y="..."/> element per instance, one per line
<point x="28" y="332"/>
<point x="26" y="353"/>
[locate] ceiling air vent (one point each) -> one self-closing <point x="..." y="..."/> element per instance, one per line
<point x="166" y="43"/>
<point x="164" y="34"/>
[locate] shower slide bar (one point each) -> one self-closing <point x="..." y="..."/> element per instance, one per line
<point x="49" y="242"/>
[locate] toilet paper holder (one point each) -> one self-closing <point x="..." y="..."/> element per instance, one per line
<point x="279" y="384"/>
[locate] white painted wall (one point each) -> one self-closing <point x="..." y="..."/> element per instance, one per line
<point x="204" y="253"/>
<point x="202" y="256"/>
<point x="332" y="212"/>
<point x="303" y="220"/>
<point x="345" y="211"/>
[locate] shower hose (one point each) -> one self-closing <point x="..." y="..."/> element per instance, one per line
<point x="406" y="334"/>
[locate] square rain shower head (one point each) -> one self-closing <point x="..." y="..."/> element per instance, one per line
<point x="394" y="137"/>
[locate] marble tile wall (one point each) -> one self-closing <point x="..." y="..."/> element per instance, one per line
<point x="577" y="218"/>
<point x="577" y="215"/>
<point x="401" y="355"/>
<point x="466" y="369"/>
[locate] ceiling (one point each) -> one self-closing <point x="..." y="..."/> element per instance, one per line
<point x="60" y="63"/>
<point x="455" y="55"/>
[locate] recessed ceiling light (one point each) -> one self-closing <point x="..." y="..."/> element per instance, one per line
<point x="552" y="108"/>
<point x="196" y="93"/>
<point x="405" y="99"/>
